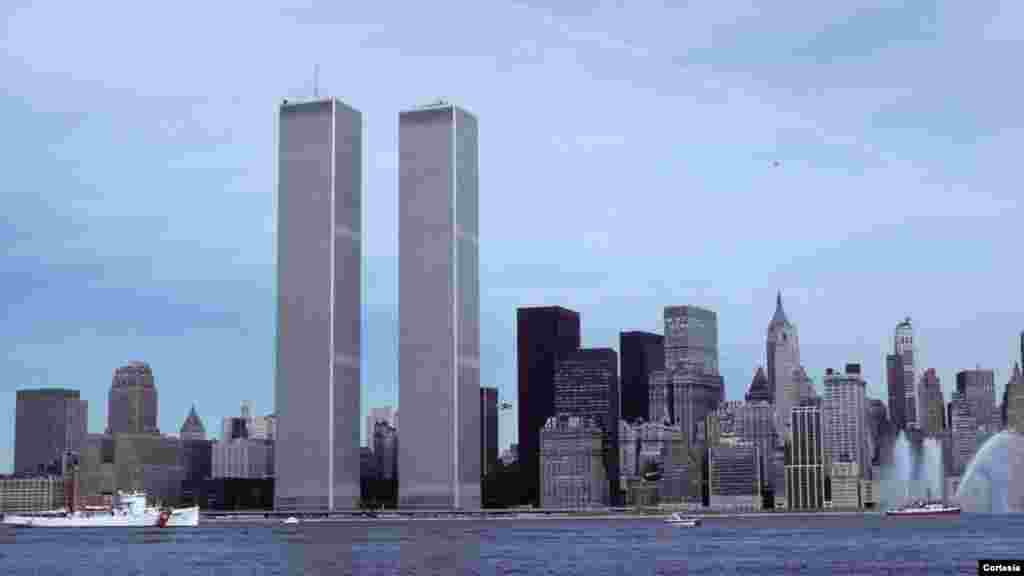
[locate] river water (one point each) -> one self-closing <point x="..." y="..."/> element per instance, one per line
<point x="775" y="545"/>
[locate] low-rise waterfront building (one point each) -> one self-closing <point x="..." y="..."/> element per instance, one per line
<point x="243" y="458"/>
<point x="28" y="494"/>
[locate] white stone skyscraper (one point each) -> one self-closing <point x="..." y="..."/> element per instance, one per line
<point x="438" y="309"/>
<point x="785" y="381"/>
<point x="319" y="263"/>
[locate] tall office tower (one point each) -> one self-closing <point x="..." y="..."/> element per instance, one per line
<point x="377" y="415"/>
<point x="641" y="353"/>
<point x="543" y="336"/>
<point x="845" y="414"/>
<point x="439" y="308"/>
<point x="587" y="385"/>
<point x="934" y="404"/>
<point x="805" y="462"/>
<point x="897" y="395"/>
<point x="783" y="354"/>
<point x="192" y="428"/>
<point x="878" y="427"/>
<point x="904" y="348"/>
<point x="132" y="403"/>
<point x="488" y="430"/>
<point x="319" y="263"/>
<point x="1013" y="401"/>
<point x="965" y="432"/>
<point x="693" y="387"/>
<point x="978" y="387"/>
<point x="48" y="423"/>
<point x="759" y="390"/>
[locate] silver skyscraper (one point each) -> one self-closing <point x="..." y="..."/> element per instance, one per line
<point x="319" y="254"/>
<point x="439" y="302"/>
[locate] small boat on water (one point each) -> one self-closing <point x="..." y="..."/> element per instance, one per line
<point x="924" y="508"/>
<point x="291" y="520"/>
<point x="129" y="510"/>
<point x="677" y="519"/>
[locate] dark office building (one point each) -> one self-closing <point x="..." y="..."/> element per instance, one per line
<point x="231" y="493"/>
<point x="641" y="353"/>
<point x="132" y="405"/>
<point x="897" y="392"/>
<point x="49" y="422"/>
<point x="979" y="389"/>
<point x="587" y="385"/>
<point x="488" y="430"/>
<point x="543" y="335"/>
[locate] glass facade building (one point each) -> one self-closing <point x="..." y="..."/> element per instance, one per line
<point x="48" y="423"/>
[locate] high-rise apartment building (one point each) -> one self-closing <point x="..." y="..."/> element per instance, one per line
<point x="587" y="385"/>
<point x="543" y="336"/>
<point x="488" y="429"/>
<point x="978" y="388"/>
<point x="319" y="291"/>
<point x="132" y="403"/>
<point x="48" y="423"/>
<point x="783" y="355"/>
<point x="964" y="432"/>
<point x="439" y="308"/>
<point x="805" y="461"/>
<point x="640" y="354"/>
<point x="845" y="411"/>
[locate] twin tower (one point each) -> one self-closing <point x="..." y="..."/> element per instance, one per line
<point x="319" y="306"/>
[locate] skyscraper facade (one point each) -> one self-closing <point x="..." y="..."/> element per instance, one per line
<point x="933" y="402"/>
<point x="488" y="429"/>
<point x="690" y="386"/>
<point x="964" y="432"/>
<point x="587" y="385"/>
<point x="845" y="414"/>
<point x="543" y="336"/>
<point x="572" y="460"/>
<point x="1014" y="401"/>
<point x="752" y="422"/>
<point x="783" y="357"/>
<point x="439" y="308"/>
<point x="132" y="402"/>
<point x="805" y="472"/>
<point x="319" y="291"/>
<point x="904" y="348"/>
<point x="978" y="387"/>
<point x="734" y="475"/>
<point x="897" y="395"/>
<point x="48" y="423"/>
<point x="641" y="353"/>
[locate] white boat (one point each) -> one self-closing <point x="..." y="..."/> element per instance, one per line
<point x="129" y="510"/>
<point x="291" y="520"/>
<point x="925" y="509"/>
<point x="677" y="519"/>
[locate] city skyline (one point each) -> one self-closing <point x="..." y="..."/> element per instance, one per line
<point x="191" y="293"/>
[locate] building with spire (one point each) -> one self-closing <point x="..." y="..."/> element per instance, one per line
<point x="192" y="428"/>
<point x="759" y="390"/>
<point x="132" y="403"/>
<point x="904" y="404"/>
<point x="783" y="357"/>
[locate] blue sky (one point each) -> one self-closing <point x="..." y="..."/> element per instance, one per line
<point x="626" y="158"/>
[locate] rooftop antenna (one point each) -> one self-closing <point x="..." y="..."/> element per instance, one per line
<point x="316" y="81"/>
